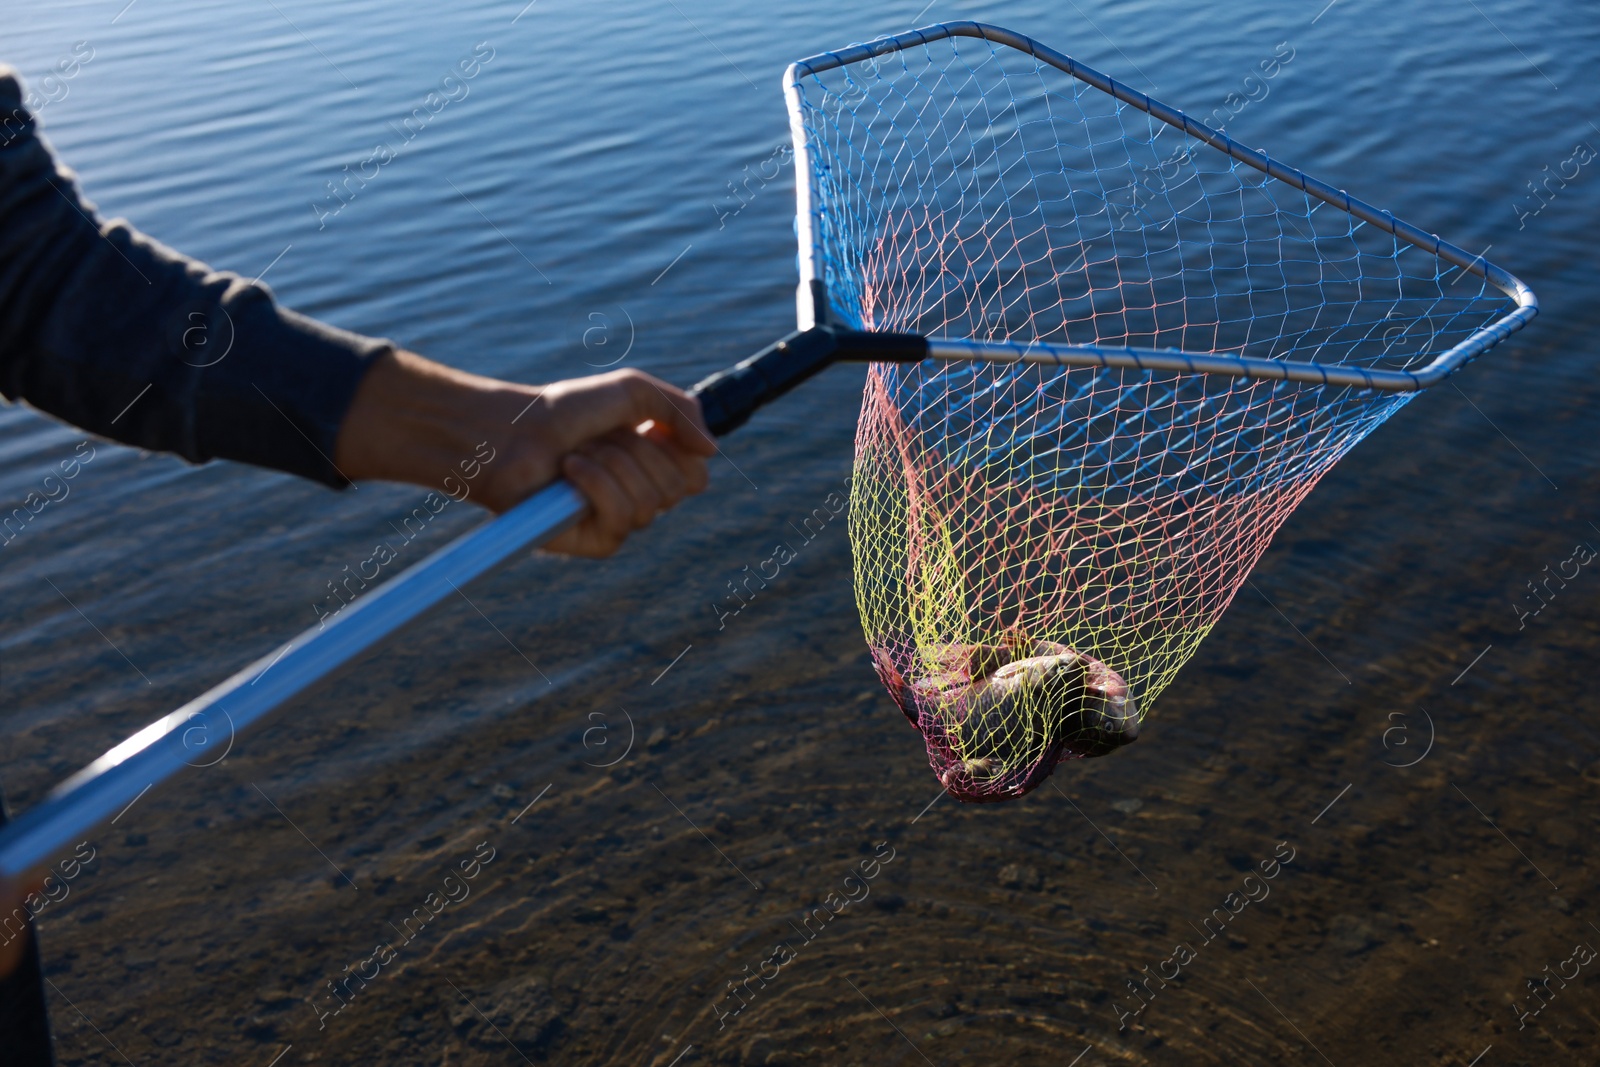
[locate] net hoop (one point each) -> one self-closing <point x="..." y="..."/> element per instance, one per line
<point x="814" y="308"/>
<point x="1142" y="361"/>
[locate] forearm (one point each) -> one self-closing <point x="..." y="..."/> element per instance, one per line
<point x="414" y="420"/>
<point x="113" y="332"/>
<point x="630" y="444"/>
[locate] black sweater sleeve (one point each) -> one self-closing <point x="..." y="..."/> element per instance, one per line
<point x="128" y="339"/>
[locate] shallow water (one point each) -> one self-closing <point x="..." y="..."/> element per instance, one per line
<point x="695" y="791"/>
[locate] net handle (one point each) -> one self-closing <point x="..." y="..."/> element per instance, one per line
<point x="243" y="703"/>
<point x="215" y="720"/>
<point x="814" y="307"/>
<point x="729" y="397"/>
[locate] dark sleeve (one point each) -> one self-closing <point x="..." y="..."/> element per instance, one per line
<point x="126" y="338"/>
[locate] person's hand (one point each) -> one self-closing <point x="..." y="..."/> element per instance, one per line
<point x="631" y="444"/>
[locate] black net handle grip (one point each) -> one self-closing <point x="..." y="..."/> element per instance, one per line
<point x="729" y="397"/>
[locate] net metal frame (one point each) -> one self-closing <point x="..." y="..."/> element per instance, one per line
<point x="1104" y="440"/>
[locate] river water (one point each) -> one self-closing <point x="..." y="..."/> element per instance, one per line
<point x="651" y="798"/>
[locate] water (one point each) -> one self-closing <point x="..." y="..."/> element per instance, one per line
<point x="573" y="209"/>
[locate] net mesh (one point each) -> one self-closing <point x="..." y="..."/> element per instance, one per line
<point x="1038" y="550"/>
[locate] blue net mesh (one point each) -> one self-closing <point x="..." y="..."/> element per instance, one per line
<point x="964" y="189"/>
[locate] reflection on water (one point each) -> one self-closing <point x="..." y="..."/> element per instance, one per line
<point x="684" y="878"/>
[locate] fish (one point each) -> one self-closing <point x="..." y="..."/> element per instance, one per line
<point x="998" y="718"/>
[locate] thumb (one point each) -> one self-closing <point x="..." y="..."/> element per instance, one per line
<point x="629" y="398"/>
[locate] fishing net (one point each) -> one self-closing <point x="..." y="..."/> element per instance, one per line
<point x="1039" y="549"/>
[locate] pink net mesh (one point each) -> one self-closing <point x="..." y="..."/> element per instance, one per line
<point x="1038" y="549"/>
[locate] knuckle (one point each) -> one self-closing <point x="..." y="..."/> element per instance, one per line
<point x="636" y="382"/>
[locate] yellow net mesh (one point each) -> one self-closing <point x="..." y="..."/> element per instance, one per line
<point x="1038" y="550"/>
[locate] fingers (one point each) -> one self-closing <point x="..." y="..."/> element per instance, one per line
<point x="628" y="478"/>
<point x="643" y="493"/>
<point x="656" y="464"/>
<point x="631" y="444"/>
<point x="601" y="531"/>
<point x="671" y="408"/>
<point x="691" y="466"/>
